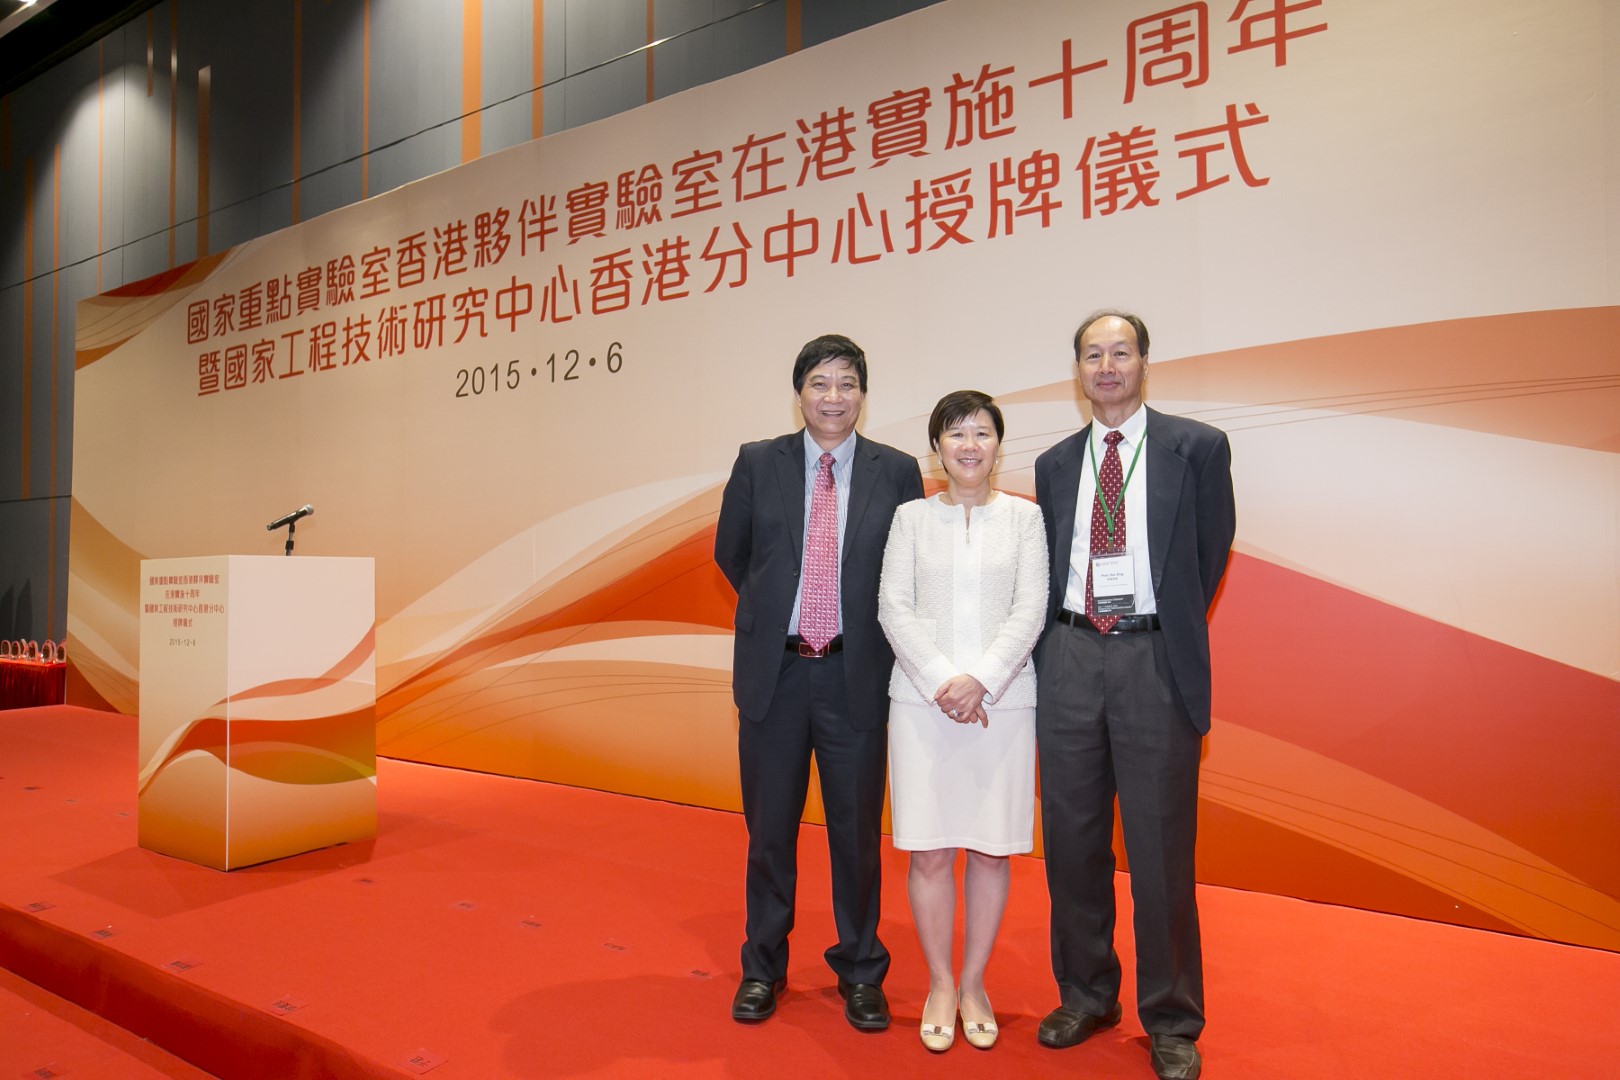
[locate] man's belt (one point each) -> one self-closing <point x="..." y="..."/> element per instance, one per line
<point x="1128" y="624"/>
<point x="796" y="644"/>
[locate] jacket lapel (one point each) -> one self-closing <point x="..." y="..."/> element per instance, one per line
<point x="790" y="481"/>
<point x="1167" y="472"/>
<point x="862" y="478"/>
<point x="1065" y="493"/>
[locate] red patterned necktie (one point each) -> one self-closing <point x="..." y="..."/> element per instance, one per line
<point x="818" y="608"/>
<point x="1110" y="479"/>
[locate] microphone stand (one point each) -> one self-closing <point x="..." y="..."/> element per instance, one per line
<point x="291" y="525"/>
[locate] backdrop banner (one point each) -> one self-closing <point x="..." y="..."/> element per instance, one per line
<point x="1374" y="241"/>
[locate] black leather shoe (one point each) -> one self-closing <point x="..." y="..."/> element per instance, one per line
<point x="756" y="999"/>
<point x="1064" y="1027"/>
<point x="865" y="1007"/>
<point x="1175" y="1057"/>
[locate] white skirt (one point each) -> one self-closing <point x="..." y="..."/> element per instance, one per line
<point x="957" y="785"/>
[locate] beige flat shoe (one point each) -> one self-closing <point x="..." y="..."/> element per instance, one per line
<point x="936" y="1037"/>
<point x="980" y="1034"/>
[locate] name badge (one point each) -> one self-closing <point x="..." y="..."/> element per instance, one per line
<point x="1113" y="584"/>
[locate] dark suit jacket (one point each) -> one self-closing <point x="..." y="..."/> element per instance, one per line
<point x="1191" y="522"/>
<point x="759" y="546"/>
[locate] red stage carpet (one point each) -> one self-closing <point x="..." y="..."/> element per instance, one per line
<point x="505" y="928"/>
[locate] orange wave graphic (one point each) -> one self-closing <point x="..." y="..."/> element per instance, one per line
<point x="107" y="321"/>
<point x="1385" y="740"/>
<point x="1321" y="693"/>
<point x="315" y="750"/>
<point x="351" y="662"/>
<point x="1462" y="373"/>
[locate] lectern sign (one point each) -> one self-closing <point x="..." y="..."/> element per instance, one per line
<point x="258" y="706"/>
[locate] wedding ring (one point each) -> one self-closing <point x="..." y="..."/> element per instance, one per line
<point x="953" y="714"/>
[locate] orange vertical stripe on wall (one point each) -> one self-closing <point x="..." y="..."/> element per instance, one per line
<point x="365" y="99"/>
<point x="101" y="146"/>
<point x="297" y="102"/>
<point x="537" y="72"/>
<point x="56" y="304"/>
<point x="650" y="40"/>
<point x="472" y="78"/>
<point x="28" y="320"/>
<point x="174" y="114"/>
<point x="205" y="80"/>
<point x="794" y="17"/>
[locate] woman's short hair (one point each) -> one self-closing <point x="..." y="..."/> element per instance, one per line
<point x="956" y="407"/>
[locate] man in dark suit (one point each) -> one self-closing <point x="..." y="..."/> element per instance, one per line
<point x="1139" y="520"/>
<point x="802" y="527"/>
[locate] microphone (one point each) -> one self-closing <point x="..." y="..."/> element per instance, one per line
<point x="302" y="511"/>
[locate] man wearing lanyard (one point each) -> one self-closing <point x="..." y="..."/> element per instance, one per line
<point x="1139" y="519"/>
<point x="803" y="522"/>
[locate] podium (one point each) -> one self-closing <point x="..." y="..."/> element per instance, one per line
<point x="258" y="706"/>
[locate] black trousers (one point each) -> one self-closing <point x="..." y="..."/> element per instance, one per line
<point x="1108" y="722"/>
<point x="809" y="715"/>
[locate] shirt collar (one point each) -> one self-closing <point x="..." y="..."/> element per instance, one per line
<point x="842" y="454"/>
<point x="1134" y="429"/>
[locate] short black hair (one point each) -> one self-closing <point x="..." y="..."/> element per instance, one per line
<point x="956" y="407"/>
<point x="1136" y="324"/>
<point x="818" y="351"/>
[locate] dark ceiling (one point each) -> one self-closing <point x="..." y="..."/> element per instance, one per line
<point x="59" y="31"/>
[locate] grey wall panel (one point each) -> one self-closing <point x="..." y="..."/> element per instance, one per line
<point x="61" y="510"/>
<point x="32" y="133"/>
<point x="824" y="20"/>
<point x="415" y="84"/>
<point x="11" y="398"/>
<point x="78" y="280"/>
<point x="114" y="136"/>
<point x="554" y="48"/>
<point x="274" y="209"/>
<point x="672" y="17"/>
<point x="11" y="231"/>
<point x="146" y="256"/>
<point x="12" y="222"/>
<point x="111" y="267"/>
<point x="556" y="107"/>
<point x="713" y="50"/>
<point x="25" y="529"/>
<point x="147" y="94"/>
<point x="605" y="90"/>
<point x="250" y="124"/>
<point x="508" y="73"/>
<point x="233" y="224"/>
<point x="42" y="394"/>
<point x="415" y="157"/>
<point x="182" y="132"/>
<point x="507" y="124"/>
<point x="184" y="240"/>
<point x="336" y="186"/>
<point x="81" y="166"/>
<point x="597" y="31"/>
<point x="333" y="65"/>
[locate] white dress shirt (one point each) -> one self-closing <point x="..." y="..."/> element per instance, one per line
<point x="842" y="468"/>
<point x="1134" y="430"/>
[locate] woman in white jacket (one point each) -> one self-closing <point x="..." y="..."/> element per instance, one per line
<point x="962" y="600"/>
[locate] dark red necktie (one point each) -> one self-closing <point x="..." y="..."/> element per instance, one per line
<point x="1110" y="481"/>
<point x="818" y="608"/>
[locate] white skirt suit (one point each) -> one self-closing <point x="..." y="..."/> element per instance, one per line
<point x="963" y="595"/>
